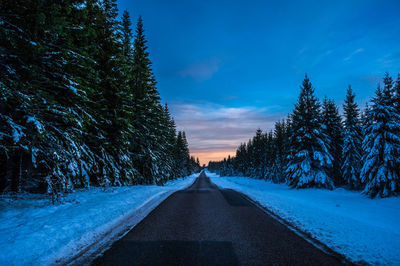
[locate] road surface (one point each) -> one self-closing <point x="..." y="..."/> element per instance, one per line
<point x="204" y="225"/>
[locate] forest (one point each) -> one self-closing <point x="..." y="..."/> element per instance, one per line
<point x="316" y="146"/>
<point x="79" y="104"/>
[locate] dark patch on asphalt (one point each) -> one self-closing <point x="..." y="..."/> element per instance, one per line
<point x="171" y="253"/>
<point x="200" y="191"/>
<point x="235" y="199"/>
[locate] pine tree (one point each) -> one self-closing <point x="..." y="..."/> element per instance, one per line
<point x="381" y="144"/>
<point x="127" y="110"/>
<point x="14" y="91"/>
<point x="269" y="155"/>
<point x="44" y="36"/>
<point x="351" y="155"/>
<point x="311" y="160"/>
<point x="258" y="152"/>
<point x="397" y="93"/>
<point x="148" y="110"/>
<point x="108" y="98"/>
<point x="250" y="159"/>
<point x="185" y="153"/>
<point x="289" y="146"/>
<point x="170" y="143"/>
<point x="241" y="159"/>
<point x="127" y="35"/>
<point x="182" y="154"/>
<point x="332" y="124"/>
<point x="279" y="148"/>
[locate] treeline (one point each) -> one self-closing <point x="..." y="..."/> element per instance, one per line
<point x="79" y="104"/>
<point x="315" y="147"/>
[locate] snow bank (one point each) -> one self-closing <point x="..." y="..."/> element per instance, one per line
<point x="348" y="222"/>
<point x="34" y="232"/>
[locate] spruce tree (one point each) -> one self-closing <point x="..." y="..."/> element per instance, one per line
<point x="332" y="125"/>
<point x="44" y="36"/>
<point x="169" y="129"/>
<point x="279" y="148"/>
<point x="381" y="144"/>
<point x="127" y="110"/>
<point x="182" y="154"/>
<point x="289" y="146"/>
<point x="127" y="35"/>
<point x="397" y="94"/>
<point x="241" y="159"/>
<point x="250" y="159"/>
<point x="185" y="153"/>
<point x="258" y="152"/>
<point x="351" y="155"/>
<point x="147" y="108"/>
<point x="311" y="160"/>
<point x="269" y="155"/>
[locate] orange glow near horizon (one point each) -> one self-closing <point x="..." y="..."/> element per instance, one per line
<point x="205" y="157"/>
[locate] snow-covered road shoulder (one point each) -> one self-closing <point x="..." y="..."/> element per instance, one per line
<point x="34" y="232"/>
<point x="348" y="222"/>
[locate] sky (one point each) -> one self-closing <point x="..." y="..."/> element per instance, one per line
<point x="226" y="68"/>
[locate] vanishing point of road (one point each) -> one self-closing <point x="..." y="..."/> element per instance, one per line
<point x="205" y="225"/>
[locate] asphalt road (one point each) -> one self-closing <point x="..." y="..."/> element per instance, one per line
<point x="204" y="225"/>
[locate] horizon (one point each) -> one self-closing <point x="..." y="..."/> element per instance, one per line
<point x="226" y="69"/>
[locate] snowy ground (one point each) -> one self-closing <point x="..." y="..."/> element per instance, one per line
<point x="360" y="228"/>
<point x="34" y="232"/>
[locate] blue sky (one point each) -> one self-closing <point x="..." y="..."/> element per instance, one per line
<point x="228" y="67"/>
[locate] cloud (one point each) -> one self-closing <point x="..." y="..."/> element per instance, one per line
<point x="359" y="50"/>
<point x="201" y="71"/>
<point x="215" y="131"/>
<point x="389" y="60"/>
